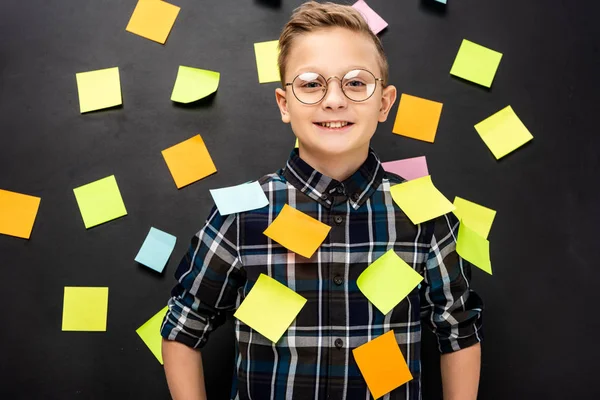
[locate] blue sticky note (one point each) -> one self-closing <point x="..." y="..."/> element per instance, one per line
<point x="156" y="250"/>
<point x="240" y="198"/>
<point x="441" y="1"/>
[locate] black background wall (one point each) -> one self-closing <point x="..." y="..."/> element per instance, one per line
<point x="540" y="321"/>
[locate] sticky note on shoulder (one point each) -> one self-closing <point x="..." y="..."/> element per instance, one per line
<point x="193" y="84"/>
<point x="478" y="217"/>
<point x="474" y="248"/>
<point x="239" y="198"/>
<point x="476" y="63"/>
<point x="17" y="213"/>
<point x="417" y="118"/>
<point x="99" y="89"/>
<point x="421" y="200"/>
<point x="156" y="249"/>
<point x="376" y="23"/>
<point x="503" y="132"/>
<point x="153" y="20"/>
<point x="149" y="332"/>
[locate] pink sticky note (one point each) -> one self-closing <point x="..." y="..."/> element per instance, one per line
<point x="376" y="23"/>
<point x="409" y="168"/>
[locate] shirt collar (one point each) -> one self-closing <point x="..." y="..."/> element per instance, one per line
<point x="327" y="191"/>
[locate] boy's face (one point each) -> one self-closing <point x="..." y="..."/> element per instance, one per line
<point x="333" y="52"/>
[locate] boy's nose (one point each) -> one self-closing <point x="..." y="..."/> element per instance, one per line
<point x="334" y="98"/>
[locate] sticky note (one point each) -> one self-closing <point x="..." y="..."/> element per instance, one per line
<point x="382" y="364"/>
<point x="417" y="118"/>
<point x="150" y="333"/>
<point x="476" y="63"/>
<point x="17" y="213"/>
<point x="266" y="61"/>
<point x="99" y="89"/>
<point x="240" y="198"/>
<point x="156" y="249"/>
<point x="478" y="217"/>
<point x="296" y="145"/>
<point x="376" y="23"/>
<point x="421" y="200"/>
<point x="474" y="248"/>
<point x="297" y="231"/>
<point x="193" y="84"/>
<point x="441" y="1"/>
<point x="189" y="161"/>
<point x="85" y="309"/>
<point x="100" y="201"/>
<point x="503" y="132"/>
<point x="153" y="20"/>
<point x="387" y="281"/>
<point x="408" y="168"/>
<point x="270" y="308"/>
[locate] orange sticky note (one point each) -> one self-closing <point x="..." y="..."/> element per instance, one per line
<point x="189" y="161"/>
<point x="153" y="20"/>
<point x="417" y="118"/>
<point x="17" y="213"/>
<point x="297" y="231"/>
<point x="382" y="364"/>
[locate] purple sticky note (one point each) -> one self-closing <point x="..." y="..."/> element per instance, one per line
<point x="376" y="23"/>
<point x="409" y="168"/>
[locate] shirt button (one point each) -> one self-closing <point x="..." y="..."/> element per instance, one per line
<point x="339" y="189"/>
<point x="339" y="343"/>
<point x="325" y="197"/>
<point x="338" y="280"/>
<point x="355" y="196"/>
<point x="338" y="219"/>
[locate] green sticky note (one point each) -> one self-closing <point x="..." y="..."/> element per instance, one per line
<point x="99" y="89"/>
<point x="387" y="281"/>
<point x="420" y="200"/>
<point x="150" y="333"/>
<point x="193" y="84"/>
<point x="100" y="201"/>
<point x="266" y="61"/>
<point x="476" y="63"/>
<point x="503" y="132"/>
<point x="474" y="248"/>
<point x="478" y="217"/>
<point x="85" y="309"/>
<point x="270" y="308"/>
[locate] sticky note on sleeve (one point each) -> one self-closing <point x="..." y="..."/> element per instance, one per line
<point x="150" y="333"/>
<point x="421" y="200"/>
<point x="478" y="217"/>
<point x="17" y="213"/>
<point x="474" y="248"/>
<point x="503" y="132"/>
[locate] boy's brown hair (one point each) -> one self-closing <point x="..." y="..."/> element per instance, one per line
<point x="312" y="16"/>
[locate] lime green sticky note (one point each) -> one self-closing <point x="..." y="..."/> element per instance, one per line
<point x="270" y="308"/>
<point x="296" y="145"/>
<point x="474" y="248"/>
<point x="100" y="201"/>
<point x="420" y="200"/>
<point x="478" y="217"/>
<point x="476" y="63"/>
<point x="85" y="309"/>
<point x="266" y="61"/>
<point x="503" y="132"/>
<point x="193" y="84"/>
<point x="387" y="281"/>
<point x="150" y="333"/>
<point x="99" y="89"/>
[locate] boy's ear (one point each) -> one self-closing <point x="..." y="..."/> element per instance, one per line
<point x="388" y="97"/>
<point x="282" y="104"/>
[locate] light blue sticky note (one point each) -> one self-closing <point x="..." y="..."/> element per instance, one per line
<point x="156" y="250"/>
<point x="240" y="198"/>
<point x="441" y="1"/>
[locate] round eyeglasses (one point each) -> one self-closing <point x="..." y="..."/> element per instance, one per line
<point x="357" y="85"/>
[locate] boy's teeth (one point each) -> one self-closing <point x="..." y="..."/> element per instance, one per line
<point x="334" y="124"/>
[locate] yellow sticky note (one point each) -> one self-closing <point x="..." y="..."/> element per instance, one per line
<point x="270" y="308"/>
<point x="296" y="145"/>
<point x="474" y="248"/>
<point x="193" y="84"/>
<point x="189" y="161"/>
<point x="100" y="201"/>
<point x="85" y="309"/>
<point x="99" y="89"/>
<point x="153" y="20"/>
<point x="387" y="281"/>
<point x="503" y="132"/>
<point x="150" y="333"/>
<point x="382" y="364"/>
<point x="266" y="61"/>
<point x="297" y="231"/>
<point x="478" y="217"/>
<point x="420" y="200"/>
<point x="417" y="118"/>
<point x="476" y="63"/>
<point x="17" y="213"/>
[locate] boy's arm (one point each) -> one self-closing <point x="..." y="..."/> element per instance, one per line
<point x="184" y="371"/>
<point x="460" y="373"/>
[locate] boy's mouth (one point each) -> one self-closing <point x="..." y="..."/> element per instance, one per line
<point x="334" y="125"/>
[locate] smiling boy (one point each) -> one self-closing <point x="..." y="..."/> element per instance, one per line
<point x="334" y="93"/>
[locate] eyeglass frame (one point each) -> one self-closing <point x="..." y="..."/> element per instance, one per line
<point x="341" y="88"/>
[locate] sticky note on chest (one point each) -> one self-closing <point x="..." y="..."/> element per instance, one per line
<point x="420" y="200"/>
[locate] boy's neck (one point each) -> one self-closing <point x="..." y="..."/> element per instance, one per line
<point x="338" y="167"/>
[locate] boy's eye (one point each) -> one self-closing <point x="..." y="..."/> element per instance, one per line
<point x="355" y="83"/>
<point x="311" y="85"/>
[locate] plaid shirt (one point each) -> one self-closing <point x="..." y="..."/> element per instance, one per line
<point x="313" y="359"/>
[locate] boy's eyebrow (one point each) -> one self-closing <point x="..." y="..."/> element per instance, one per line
<point x="313" y="68"/>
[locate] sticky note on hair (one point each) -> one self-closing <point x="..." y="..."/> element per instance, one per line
<point x="476" y="63"/>
<point x="408" y="168"/>
<point x="270" y="308"/>
<point x="376" y="23"/>
<point x="382" y="364"/>
<point x="149" y="332"/>
<point x="193" y="84"/>
<point x="99" y="89"/>
<point x="189" y="161"/>
<point x="17" y="213"/>
<point x="474" y="248"/>
<point x="156" y="249"/>
<point x="85" y="309"/>
<point x="421" y="200"/>
<point x="477" y="217"/>
<point x="100" y="201"/>
<point x="503" y="132"/>
<point x="417" y="118"/>
<point x="297" y="231"/>
<point x="266" y="61"/>
<point x="153" y="20"/>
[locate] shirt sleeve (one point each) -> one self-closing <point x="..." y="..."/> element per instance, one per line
<point x="449" y="307"/>
<point x="208" y="276"/>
